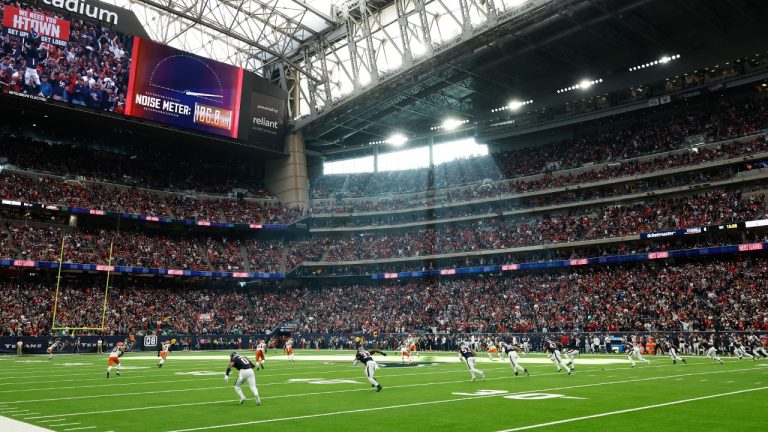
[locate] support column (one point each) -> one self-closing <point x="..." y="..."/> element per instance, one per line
<point x="287" y="178"/>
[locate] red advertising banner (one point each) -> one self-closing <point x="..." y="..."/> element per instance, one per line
<point x="23" y="23"/>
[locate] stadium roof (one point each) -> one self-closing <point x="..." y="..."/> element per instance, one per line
<point x="358" y="70"/>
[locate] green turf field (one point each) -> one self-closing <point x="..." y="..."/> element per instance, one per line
<point x="322" y="391"/>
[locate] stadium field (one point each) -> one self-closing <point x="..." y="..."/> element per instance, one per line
<point x="323" y="391"/>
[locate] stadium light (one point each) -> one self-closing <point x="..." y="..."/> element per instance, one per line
<point x="451" y="124"/>
<point x="662" y="60"/>
<point x="397" y="140"/>
<point x="583" y="84"/>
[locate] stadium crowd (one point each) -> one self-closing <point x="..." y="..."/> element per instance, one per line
<point x="725" y="294"/>
<point x="652" y="135"/>
<point x="195" y="251"/>
<point x="41" y="189"/>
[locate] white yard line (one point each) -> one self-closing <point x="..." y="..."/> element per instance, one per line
<point x="642" y="408"/>
<point x="64" y="424"/>
<point x="81" y="428"/>
<point x="361" y="410"/>
<point x="153" y="407"/>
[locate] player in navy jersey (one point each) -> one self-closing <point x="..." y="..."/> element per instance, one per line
<point x="512" y="352"/>
<point x="553" y="349"/>
<point x="245" y="368"/>
<point x="366" y="358"/>
<point x="710" y="351"/>
<point x="469" y="357"/>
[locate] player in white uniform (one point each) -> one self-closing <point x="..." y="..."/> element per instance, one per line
<point x="366" y="357"/>
<point x="491" y="349"/>
<point x="114" y="358"/>
<point x="634" y="351"/>
<point x="289" y="349"/>
<point x="737" y="347"/>
<point x="405" y="353"/>
<point x="246" y="368"/>
<point x="261" y="349"/>
<point x="469" y="357"/>
<point x="54" y="346"/>
<point x="512" y="354"/>
<point x="165" y="348"/>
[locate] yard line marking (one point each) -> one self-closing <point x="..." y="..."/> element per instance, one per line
<point x="201" y="388"/>
<point x="64" y="424"/>
<point x="50" y="421"/>
<point x="152" y="407"/>
<point x="642" y="408"/>
<point x="221" y="387"/>
<point x="412" y="405"/>
<point x="81" y="428"/>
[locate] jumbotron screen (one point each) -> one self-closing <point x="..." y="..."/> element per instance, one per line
<point x="182" y="89"/>
<point x="56" y="57"/>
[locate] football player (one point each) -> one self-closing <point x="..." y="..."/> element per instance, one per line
<point x="51" y="348"/>
<point x="405" y="353"/>
<point x="672" y="350"/>
<point x="261" y="349"/>
<point x="245" y="368"/>
<point x="289" y="349"/>
<point x="165" y="348"/>
<point x="114" y="358"/>
<point x="757" y="346"/>
<point x="366" y="358"/>
<point x="412" y="346"/>
<point x="513" y="355"/>
<point x="710" y="351"/>
<point x="633" y="350"/>
<point x="491" y="349"/>
<point x="553" y="349"/>
<point x="469" y="357"/>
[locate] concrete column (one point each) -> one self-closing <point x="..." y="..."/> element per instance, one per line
<point x="287" y="178"/>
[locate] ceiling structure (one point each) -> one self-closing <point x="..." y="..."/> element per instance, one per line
<point x="358" y="71"/>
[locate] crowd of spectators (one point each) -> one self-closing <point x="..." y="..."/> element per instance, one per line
<point x="192" y="251"/>
<point x="728" y="120"/>
<point x="91" y="68"/>
<point x="42" y="189"/>
<point x="588" y="223"/>
<point x="726" y="294"/>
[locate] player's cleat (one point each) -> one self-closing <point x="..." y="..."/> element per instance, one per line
<point x="684" y="362"/>
<point x="159" y="365"/>
<point x="258" y="401"/>
<point x="570" y="371"/>
<point x="525" y="371"/>
<point x="107" y="375"/>
<point x="721" y="362"/>
<point x="373" y="385"/>
<point x="473" y="379"/>
<point x="516" y="373"/>
<point x="559" y="370"/>
<point x="117" y="373"/>
<point x="632" y="366"/>
<point x="674" y="361"/>
<point x="242" y="401"/>
<point x="378" y="388"/>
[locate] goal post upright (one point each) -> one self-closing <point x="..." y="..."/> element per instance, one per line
<point x="106" y="288"/>
<point x="58" y="283"/>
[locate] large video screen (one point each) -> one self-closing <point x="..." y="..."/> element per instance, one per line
<point x="47" y="57"/>
<point x="57" y="57"/>
<point x="182" y="89"/>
